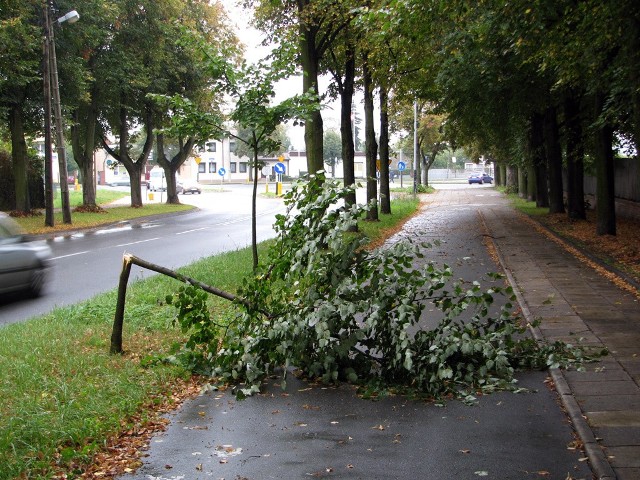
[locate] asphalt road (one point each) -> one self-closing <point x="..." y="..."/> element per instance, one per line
<point x="85" y="264"/>
<point x="316" y="431"/>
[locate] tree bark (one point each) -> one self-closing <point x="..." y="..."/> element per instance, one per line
<point x="538" y="160"/>
<point x="346" y="125"/>
<point x="254" y="211"/>
<point x="83" y="144"/>
<point x="171" y="166"/>
<point x="309" y="59"/>
<point x="605" y="193"/>
<point x="371" y="146"/>
<point x="575" y="159"/>
<point x="553" y="152"/>
<point x="19" y="159"/>
<point x="512" y="177"/>
<point x="522" y="182"/>
<point x="385" y="194"/>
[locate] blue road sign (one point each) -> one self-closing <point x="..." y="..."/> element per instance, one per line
<point x="222" y="172"/>
<point x="279" y="168"/>
<point x="402" y="166"/>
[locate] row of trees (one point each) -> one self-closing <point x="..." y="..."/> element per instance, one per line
<point x="110" y="61"/>
<point x="534" y="85"/>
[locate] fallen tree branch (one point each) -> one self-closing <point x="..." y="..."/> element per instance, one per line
<point x="127" y="261"/>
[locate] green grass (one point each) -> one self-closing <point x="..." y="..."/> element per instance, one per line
<point x="402" y="208"/>
<point x="63" y="395"/>
<point x="75" y="197"/>
<point x="79" y="220"/>
<point x="524" y="205"/>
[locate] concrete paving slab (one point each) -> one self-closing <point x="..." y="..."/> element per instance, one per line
<point x="614" y="418"/>
<point x="624" y="456"/>
<point x="598" y="403"/>
<point x="619" y="436"/>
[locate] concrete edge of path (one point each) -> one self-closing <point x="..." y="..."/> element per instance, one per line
<point x="599" y="464"/>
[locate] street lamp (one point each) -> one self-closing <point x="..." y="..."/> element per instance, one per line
<point x="51" y="85"/>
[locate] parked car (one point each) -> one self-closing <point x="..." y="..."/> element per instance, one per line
<point x="475" y="179"/>
<point x="24" y="264"/>
<point x="189" y="187"/>
<point x="486" y="178"/>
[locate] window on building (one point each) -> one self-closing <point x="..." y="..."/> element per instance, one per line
<point x="232" y="167"/>
<point x="232" y="146"/>
<point x="212" y="167"/>
<point x="202" y="167"/>
<point x="243" y="167"/>
<point x="211" y="146"/>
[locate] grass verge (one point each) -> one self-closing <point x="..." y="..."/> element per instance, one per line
<point x="102" y="197"/>
<point x="81" y="220"/>
<point x="65" y="399"/>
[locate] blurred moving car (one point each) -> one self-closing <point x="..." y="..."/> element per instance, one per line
<point x="189" y="187"/>
<point x="475" y="179"/>
<point x="24" y="264"/>
<point x="486" y="178"/>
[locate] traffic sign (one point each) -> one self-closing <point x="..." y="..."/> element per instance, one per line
<point x="222" y="172"/>
<point x="402" y="166"/>
<point x="279" y="168"/>
<point x="266" y="170"/>
<point x="198" y="160"/>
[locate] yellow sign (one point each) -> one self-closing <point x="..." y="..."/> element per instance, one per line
<point x="281" y="158"/>
<point x="198" y="160"/>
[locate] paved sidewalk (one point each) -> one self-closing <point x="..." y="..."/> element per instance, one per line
<point x="314" y="431"/>
<point x="574" y="302"/>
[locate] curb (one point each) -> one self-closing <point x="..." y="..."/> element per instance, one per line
<point x="597" y="459"/>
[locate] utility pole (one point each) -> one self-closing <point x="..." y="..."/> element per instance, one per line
<point x="48" y="157"/>
<point x="51" y="85"/>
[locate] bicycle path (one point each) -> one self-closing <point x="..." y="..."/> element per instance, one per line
<point x="318" y="431"/>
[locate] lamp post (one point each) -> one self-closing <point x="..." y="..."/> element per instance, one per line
<point x="51" y="81"/>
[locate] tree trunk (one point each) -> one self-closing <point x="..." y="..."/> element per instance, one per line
<point x="83" y="143"/>
<point x="605" y="193"/>
<point x="553" y="152"/>
<point x="538" y="160"/>
<point x="385" y="194"/>
<point x="134" y="168"/>
<point x="19" y="159"/>
<point x="309" y="59"/>
<point x="522" y="182"/>
<point x="171" y="167"/>
<point x="346" y="125"/>
<point x="254" y="211"/>
<point x="531" y="183"/>
<point x="512" y="177"/>
<point x="371" y="147"/>
<point x="575" y="159"/>
<point x="497" y="177"/>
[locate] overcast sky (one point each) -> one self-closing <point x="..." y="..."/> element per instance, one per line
<point x="286" y="88"/>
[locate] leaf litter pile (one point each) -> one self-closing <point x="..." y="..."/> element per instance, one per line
<point x="621" y="251"/>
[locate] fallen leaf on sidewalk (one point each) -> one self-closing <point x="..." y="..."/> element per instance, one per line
<point x="378" y="427"/>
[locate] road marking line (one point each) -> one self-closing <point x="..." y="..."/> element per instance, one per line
<point x="134" y="243"/>
<point x="70" y="255"/>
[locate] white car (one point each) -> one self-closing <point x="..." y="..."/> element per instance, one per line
<point x="24" y="264"/>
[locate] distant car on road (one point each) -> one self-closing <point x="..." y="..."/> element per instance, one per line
<point x="189" y="187"/>
<point x="24" y="264"/>
<point x="475" y="179"/>
<point x="486" y="178"/>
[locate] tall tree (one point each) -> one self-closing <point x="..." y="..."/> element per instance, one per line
<point x="21" y="55"/>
